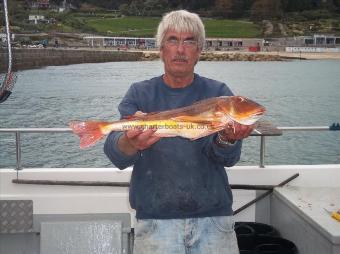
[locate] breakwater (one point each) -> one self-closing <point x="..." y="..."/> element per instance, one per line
<point x="228" y="56"/>
<point x="30" y="58"/>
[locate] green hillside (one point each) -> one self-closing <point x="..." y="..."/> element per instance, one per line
<point x="140" y="18"/>
<point x="147" y="26"/>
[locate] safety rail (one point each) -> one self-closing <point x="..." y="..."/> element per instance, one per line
<point x="19" y="131"/>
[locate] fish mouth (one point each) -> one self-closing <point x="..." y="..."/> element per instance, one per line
<point x="248" y="121"/>
<point x="253" y="118"/>
<point x="260" y="112"/>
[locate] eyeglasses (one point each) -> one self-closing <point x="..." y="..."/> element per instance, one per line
<point x="189" y="43"/>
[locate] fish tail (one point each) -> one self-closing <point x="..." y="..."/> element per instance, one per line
<point x="89" y="132"/>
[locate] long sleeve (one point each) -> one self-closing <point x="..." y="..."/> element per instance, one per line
<point x="118" y="158"/>
<point x="227" y="156"/>
<point x="111" y="149"/>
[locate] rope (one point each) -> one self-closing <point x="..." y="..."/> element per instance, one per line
<point x="10" y="77"/>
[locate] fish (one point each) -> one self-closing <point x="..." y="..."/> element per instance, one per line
<point x="198" y="120"/>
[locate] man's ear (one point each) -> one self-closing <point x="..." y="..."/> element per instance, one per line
<point x="161" y="54"/>
<point x="199" y="54"/>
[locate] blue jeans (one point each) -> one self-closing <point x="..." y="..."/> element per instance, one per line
<point x="209" y="235"/>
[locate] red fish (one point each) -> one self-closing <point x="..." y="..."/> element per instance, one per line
<point x="195" y="121"/>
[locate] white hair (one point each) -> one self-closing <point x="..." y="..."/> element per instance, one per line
<point x="181" y="21"/>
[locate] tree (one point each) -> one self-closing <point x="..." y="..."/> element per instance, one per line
<point x="173" y="3"/>
<point x="231" y="8"/>
<point x="223" y="8"/>
<point x="155" y="7"/>
<point x="137" y="8"/>
<point x="300" y="5"/>
<point x="264" y="9"/>
<point x="124" y="9"/>
<point x="200" y="5"/>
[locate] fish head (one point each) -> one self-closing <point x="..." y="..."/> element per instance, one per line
<point x="241" y="109"/>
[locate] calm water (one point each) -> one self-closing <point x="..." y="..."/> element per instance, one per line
<point x="297" y="93"/>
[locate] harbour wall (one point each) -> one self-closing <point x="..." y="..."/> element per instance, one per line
<point x="30" y="58"/>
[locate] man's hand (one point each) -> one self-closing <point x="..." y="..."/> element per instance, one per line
<point x="236" y="131"/>
<point x="133" y="141"/>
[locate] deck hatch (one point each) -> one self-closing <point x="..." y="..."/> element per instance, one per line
<point x="16" y="216"/>
<point x="81" y="237"/>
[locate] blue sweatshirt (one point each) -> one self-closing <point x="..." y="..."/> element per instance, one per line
<point x="175" y="177"/>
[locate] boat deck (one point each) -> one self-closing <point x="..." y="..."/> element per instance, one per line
<point x="300" y="213"/>
<point x="296" y="209"/>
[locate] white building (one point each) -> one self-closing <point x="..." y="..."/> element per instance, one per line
<point x="36" y="18"/>
<point x="3" y="37"/>
<point x="123" y="42"/>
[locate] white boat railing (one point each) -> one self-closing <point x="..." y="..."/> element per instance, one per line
<point x="19" y="131"/>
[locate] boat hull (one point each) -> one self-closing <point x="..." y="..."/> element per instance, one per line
<point x="283" y="209"/>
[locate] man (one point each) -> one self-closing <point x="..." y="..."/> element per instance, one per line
<point x="179" y="188"/>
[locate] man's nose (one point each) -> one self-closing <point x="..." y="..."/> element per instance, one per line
<point x="180" y="46"/>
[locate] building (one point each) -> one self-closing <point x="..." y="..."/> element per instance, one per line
<point x="36" y="19"/>
<point x="39" y="4"/>
<point x="223" y="44"/>
<point x="315" y="43"/>
<point x="322" y="40"/>
<point x="121" y="42"/>
<point x="3" y="37"/>
<point x="227" y="44"/>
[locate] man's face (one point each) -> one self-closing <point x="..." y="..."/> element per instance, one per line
<point x="180" y="53"/>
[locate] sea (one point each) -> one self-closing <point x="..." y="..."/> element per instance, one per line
<point x="296" y="93"/>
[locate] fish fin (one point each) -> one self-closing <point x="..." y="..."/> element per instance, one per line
<point x="208" y="100"/>
<point x="89" y="132"/>
<point x="193" y="119"/>
<point x="90" y="139"/>
<point x="132" y="117"/>
<point x="139" y="115"/>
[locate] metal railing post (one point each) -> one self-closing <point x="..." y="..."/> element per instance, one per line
<point x="262" y="151"/>
<point x="18" y="150"/>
